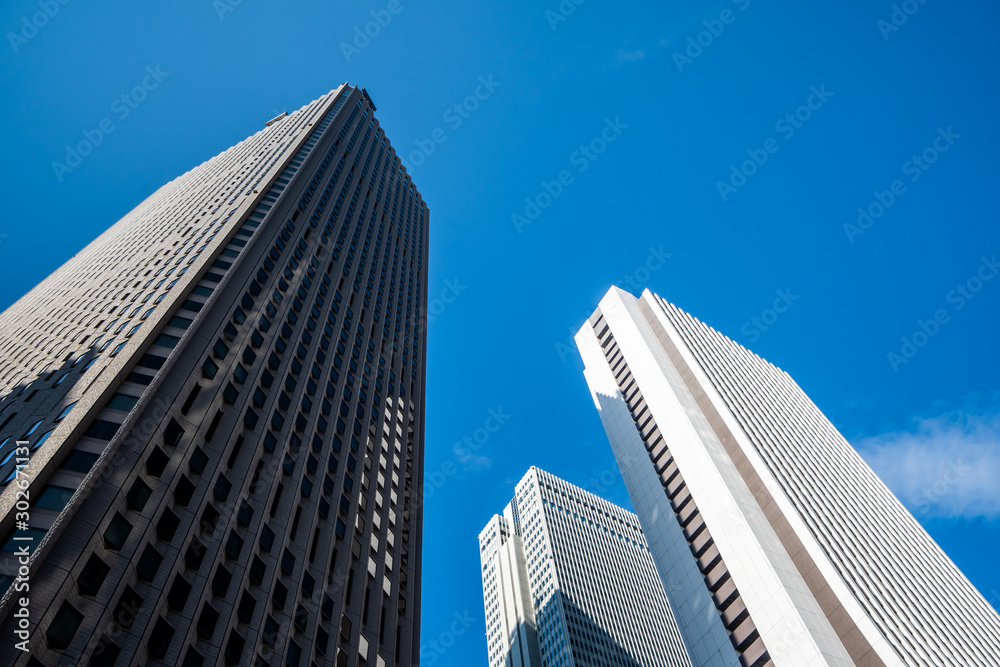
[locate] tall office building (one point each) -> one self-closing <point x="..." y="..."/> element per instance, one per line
<point x="221" y="405"/>
<point x="568" y="581"/>
<point x="776" y="543"/>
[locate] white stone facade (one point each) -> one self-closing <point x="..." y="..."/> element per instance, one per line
<point x="807" y="557"/>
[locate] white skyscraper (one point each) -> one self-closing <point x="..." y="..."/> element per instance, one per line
<point x="568" y="581"/>
<point x="776" y="543"/>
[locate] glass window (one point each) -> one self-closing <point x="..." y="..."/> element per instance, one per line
<point x="117" y="532"/>
<point x="54" y="497"/>
<point x="122" y="402"/>
<point x="30" y="537"/>
<point x="80" y="461"/>
<point x="63" y="627"/>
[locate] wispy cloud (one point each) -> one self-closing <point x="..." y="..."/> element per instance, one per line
<point x="947" y="466"/>
<point x="471" y="461"/>
<point x="636" y="48"/>
<point x="630" y="56"/>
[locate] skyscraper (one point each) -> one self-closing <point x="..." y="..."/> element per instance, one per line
<point x="220" y="402"/>
<point x="568" y="581"/>
<point x="776" y="543"/>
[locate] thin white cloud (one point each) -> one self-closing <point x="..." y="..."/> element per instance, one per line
<point x="947" y="467"/>
<point x="630" y="56"/>
<point x="469" y="460"/>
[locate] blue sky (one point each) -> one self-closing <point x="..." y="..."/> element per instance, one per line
<point x="683" y="116"/>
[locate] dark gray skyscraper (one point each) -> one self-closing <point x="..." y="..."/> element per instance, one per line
<point x="211" y="426"/>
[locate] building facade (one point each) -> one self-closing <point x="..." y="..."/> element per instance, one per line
<point x="568" y="581"/>
<point x="776" y="543"/>
<point x="211" y="426"/>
